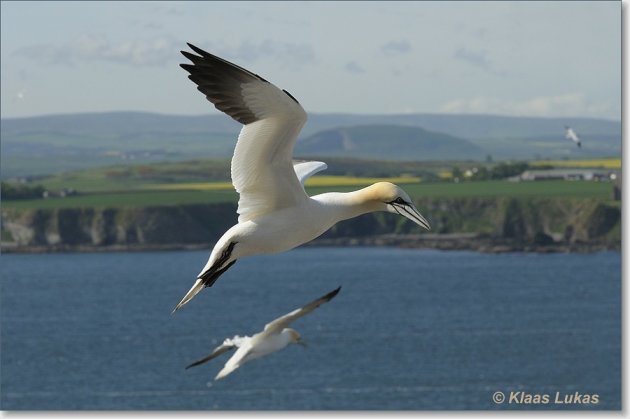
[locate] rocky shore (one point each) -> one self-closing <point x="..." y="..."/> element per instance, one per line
<point x="486" y="225"/>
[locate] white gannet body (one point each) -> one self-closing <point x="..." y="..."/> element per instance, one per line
<point x="571" y="135"/>
<point x="275" y="213"/>
<point x="275" y="337"/>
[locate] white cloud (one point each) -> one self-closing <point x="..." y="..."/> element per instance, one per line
<point x="572" y="104"/>
<point x="294" y="54"/>
<point x="90" y="48"/>
<point x="161" y="51"/>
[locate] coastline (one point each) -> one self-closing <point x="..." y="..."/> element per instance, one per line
<point x="490" y="225"/>
<point x="477" y="242"/>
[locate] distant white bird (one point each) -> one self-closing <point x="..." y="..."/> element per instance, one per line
<point x="275" y="213"/>
<point x="274" y="337"/>
<point x="571" y="135"/>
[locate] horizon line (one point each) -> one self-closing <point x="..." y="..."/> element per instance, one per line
<point x="398" y="114"/>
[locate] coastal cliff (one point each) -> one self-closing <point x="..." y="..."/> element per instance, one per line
<point x="487" y="224"/>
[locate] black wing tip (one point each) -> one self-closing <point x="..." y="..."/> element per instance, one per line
<point x="194" y="364"/>
<point x="198" y="50"/>
<point x="206" y="55"/>
<point x="192" y="57"/>
<point x="202" y="360"/>
<point x="332" y="294"/>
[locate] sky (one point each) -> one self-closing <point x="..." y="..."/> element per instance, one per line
<point x="550" y="59"/>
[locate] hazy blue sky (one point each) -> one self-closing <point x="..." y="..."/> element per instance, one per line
<point x="511" y="58"/>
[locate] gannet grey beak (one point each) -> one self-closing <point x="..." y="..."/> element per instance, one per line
<point x="410" y="212"/>
<point x="301" y="343"/>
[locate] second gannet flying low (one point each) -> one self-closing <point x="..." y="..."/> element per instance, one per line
<point x="571" y="135"/>
<point x="275" y="213"/>
<point x="274" y="337"/>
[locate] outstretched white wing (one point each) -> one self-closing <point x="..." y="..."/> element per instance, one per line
<point x="227" y="345"/>
<point x="282" y="322"/>
<point x="262" y="168"/>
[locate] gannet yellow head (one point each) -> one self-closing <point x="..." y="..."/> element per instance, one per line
<point x="294" y="336"/>
<point x="396" y="201"/>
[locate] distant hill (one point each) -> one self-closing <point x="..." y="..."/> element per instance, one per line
<point x="463" y="126"/>
<point x="388" y="142"/>
<point x="472" y="127"/>
<point x="50" y="144"/>
<point x="118" y="124"/>
<point x="502" y="137"/>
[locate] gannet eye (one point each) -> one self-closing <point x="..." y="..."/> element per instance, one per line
<point x="398" y="201"/>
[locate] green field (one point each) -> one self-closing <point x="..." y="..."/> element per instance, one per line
<point x="207" y="181"/>
<point x="143" y="198"/>
<point x="496" y="188"/>
<point x="168" y="175"/>
<point x="137" y="177"/>
<point x="126" y="199"/>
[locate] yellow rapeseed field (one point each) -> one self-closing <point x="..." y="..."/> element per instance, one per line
<point x="593" y="163"/>
<point x="349" y="180"/>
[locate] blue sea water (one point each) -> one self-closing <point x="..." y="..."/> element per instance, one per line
<point x="410" y="329"/>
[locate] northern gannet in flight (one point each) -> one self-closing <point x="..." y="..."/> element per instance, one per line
<point x="274" y="337"/>
<point x="571" y="135"/>
<point x="275" y="213"/>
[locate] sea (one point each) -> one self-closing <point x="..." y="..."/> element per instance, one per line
<point x="411" y="329"/>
